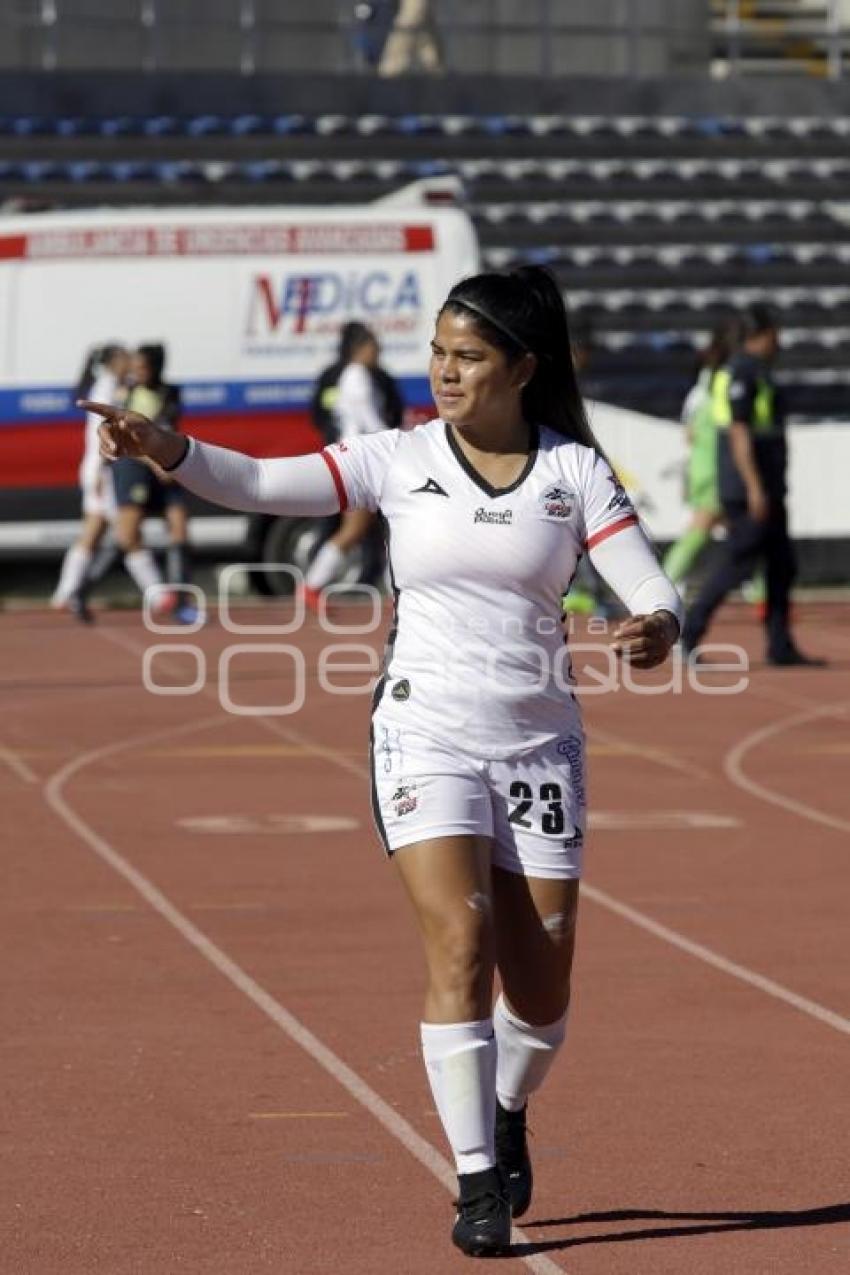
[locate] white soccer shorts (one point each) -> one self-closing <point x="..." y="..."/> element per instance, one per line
<point x="532" y="806"/>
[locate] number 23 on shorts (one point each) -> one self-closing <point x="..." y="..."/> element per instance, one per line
<point x="550" y="797"/>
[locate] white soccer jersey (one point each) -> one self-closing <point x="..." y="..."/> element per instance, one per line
<point x="104" y="390"/>
<point x="478" y="654"/>
<point x="358" y="407"/>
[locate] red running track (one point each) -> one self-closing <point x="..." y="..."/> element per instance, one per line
<point x="210" y="1006"/>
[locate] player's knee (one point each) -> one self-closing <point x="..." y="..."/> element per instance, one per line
<point x="461" y="946"/>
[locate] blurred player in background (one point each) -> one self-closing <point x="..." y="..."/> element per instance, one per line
<point x="353" y="397"/>
<point x="698" y="417"/>
<point x="104" y="378"/>
<point x="752" y="462"/>
<point x="142" y="490"/>
<point x="413" y="43"/>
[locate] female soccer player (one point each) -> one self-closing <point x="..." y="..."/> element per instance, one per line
<point x="352" y="397"/>
<point x="103" y="378"/>
<point x="477" y="749"/>
<point x="140" y="491"/>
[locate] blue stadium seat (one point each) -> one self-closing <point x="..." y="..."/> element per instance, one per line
<point x="74" y="125"/>
<point x="248" y="125"/>
<point x="177" y="170"/>
<point x="286" y="125"/>
<point x="120" y="126"/>
<point x="418" y="125"/>
<point x="84" y="170"/>
<point x="205" y="126"/>
<point x="430" y="168"/>
<point x="29" y="125"/>
<point x="39" y="170"/>
<point x="263" y="170"/>
<point x="160" y="126"/>
<point x="131" y="170"/>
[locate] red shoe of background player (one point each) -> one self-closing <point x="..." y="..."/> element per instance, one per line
<point x="312" y="599"/>
<point x="164" y="604"/>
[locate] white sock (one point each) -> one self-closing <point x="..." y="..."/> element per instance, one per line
<point x="143" y="569"/>
<point x="525" y="1054"/>
<point x="325" y="567"/>
<point x="460" y="1059"/>
<point x="75" y="564"/>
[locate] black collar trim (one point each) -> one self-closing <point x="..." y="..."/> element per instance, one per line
<point x="479" y="479"/>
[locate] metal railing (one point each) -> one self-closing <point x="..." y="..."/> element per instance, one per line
<point x="548" y="38"/>
<point x="810" y="38"/>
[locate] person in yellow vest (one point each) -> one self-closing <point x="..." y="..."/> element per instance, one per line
<point x="752" y="459"/>
<point x="698" y="419"/>
<point x="142" y="490"/>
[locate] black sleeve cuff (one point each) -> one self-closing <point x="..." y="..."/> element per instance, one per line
<point x="169" y="469"/>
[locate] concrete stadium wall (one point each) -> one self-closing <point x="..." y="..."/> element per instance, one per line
<point x="111" y="93"/>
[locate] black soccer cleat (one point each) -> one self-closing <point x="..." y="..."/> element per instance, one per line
<point x="78" y="607"/>
<point x="789" y="656"/>
<point x="483" y="1224"/>
<point x="513" y="1158"/>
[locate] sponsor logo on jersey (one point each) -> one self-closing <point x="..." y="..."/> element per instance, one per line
<point x="620" y="499"/>
<point x="405" y="799"/>
<point x="573" y="749"/>
<point x="498" y="517"/>
<point x="558" y="502"/>
<point x="401" y="690"/>
<point x="429" y="487"/>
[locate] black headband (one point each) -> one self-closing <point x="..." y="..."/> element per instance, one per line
<point x="494" y="323"/>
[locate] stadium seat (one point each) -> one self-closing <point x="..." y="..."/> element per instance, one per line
<point x="29" y="125"/>
<point x="288" y="125"/>
<point x="204" y="126"/>
<point x="248" y="125"/>
<point x="160" y="126"/>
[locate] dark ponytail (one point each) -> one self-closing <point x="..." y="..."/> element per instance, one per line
<point x="523" y="312"/>
<point x="97" y="356"/>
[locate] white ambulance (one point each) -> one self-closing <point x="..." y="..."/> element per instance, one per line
<point x="247" y="301"/>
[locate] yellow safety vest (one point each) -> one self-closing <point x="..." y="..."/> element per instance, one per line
<point x="722" y="408"/>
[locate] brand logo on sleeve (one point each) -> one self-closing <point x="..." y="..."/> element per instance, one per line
<point x="401" y="690"/>
<point x="429" y="487"/>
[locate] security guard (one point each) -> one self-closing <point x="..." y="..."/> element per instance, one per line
<point x="752" y="460"/>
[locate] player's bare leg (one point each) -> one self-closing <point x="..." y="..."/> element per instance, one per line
<point x="329" y="561"/>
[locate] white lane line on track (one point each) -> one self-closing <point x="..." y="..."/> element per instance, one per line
<point x="645" y="922"/>
<point x="734" y="771"/>
<point x="715" y="959"/>
<point x="395" y="1124"/>
<point x="17" y="765"/>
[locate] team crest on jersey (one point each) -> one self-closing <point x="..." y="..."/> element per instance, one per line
<point x="405" y="799"/>
<point x="558" y="502"/>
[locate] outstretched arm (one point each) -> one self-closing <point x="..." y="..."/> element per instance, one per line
<point x="293" y="485"/>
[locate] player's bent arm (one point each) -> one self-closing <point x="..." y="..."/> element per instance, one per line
<point x="741" y="447"/>
<point x="303" y="485"/>
<point x="627" y="563"/>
